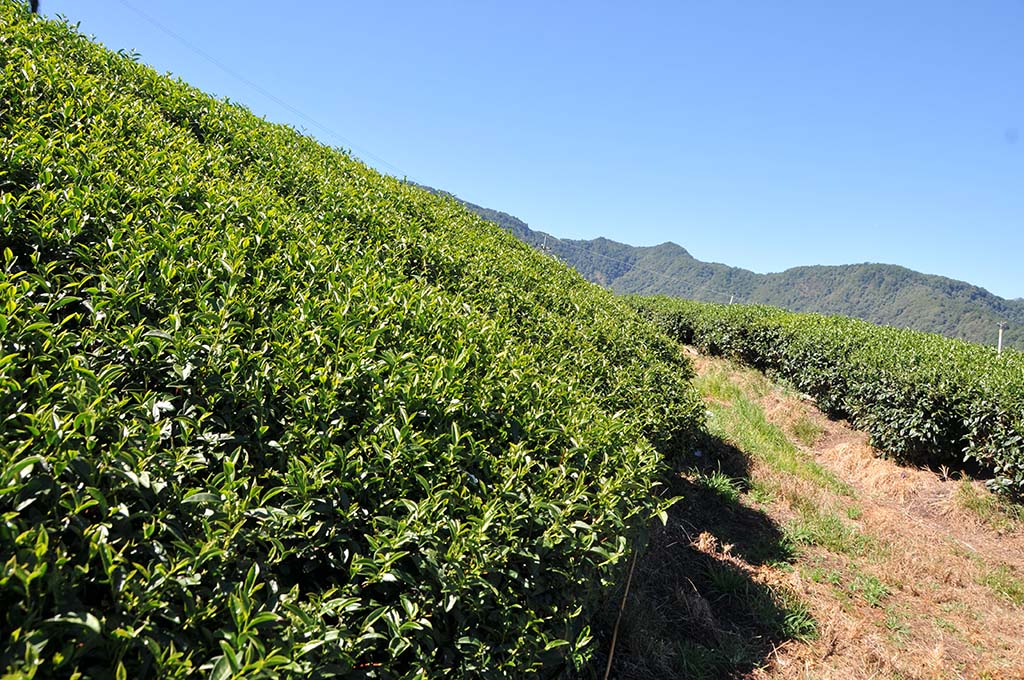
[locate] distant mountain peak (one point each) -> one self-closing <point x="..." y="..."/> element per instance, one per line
<point x="683" y="252"/>
<point x="881" y="293"/>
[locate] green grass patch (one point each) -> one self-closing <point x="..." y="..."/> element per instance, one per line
<point x="817" y="527"/>
<point x="1004" y="581"/>
<point x="897" y="625"/>
<point x="798" y="623"/>
<point x="763" y="491"/>
<point x="833" y="577"/>
<point x="998" y="512"/>
<point x="725" y="580"/>
<point x="736" y="418"/>
<point x="806" y="431"/>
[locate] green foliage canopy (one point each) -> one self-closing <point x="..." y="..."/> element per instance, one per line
<point x="264" y="411"/>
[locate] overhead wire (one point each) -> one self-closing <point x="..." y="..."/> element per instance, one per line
<point x="363" y="153"/>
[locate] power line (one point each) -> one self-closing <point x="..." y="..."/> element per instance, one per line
<point x="365" y="154"/>
<point x="269" y="95"/>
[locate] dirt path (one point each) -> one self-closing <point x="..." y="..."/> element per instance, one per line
<point x="796" y="553"/>
<point x="904" y="580"/>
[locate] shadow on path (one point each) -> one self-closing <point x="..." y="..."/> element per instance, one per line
<point x="695" y="608"/>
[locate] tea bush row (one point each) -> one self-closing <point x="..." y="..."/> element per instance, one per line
<point x="923" y="398"/>
<point x="265" y="412"/>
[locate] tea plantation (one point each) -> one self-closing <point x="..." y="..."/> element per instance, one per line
<point x="264" y="411"/>
<point x="923" y="398"/>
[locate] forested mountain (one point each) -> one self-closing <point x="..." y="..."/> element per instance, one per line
<point x="880" y="293"/>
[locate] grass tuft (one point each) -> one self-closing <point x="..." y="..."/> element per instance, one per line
<point x="1004" y="581"/>
<point x="726" y="487"/>
<point x="806" y="430"/>
<point x="998" y="512"/>
<point x="870" y="588"/>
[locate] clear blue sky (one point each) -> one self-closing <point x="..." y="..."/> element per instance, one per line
<point x="762" y="135"/>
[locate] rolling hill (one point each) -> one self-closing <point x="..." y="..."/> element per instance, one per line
<point x="880" y="293"/>
<point x="267" y="413"/>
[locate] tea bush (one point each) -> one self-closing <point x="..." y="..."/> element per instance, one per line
<point x="264" y="411"/>
<point x="923" y="398"/>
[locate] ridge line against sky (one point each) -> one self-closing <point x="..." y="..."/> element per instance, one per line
<point x="762" y="137"/>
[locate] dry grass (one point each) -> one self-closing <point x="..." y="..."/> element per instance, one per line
<point x="798" y="553"/>
<point x="912" y="575"/>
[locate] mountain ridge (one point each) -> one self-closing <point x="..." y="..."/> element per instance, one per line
<point x="887" y="294"/>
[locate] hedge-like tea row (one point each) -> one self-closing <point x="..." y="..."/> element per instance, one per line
<point x="264" y="411"/>
<point x="923" y="398"/>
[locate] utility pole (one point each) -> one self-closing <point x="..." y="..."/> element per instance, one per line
<point x="999" y="348"/>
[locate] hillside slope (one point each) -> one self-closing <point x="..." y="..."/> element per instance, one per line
<point x="266" y="412"/>
<point x="880" y="293"/>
